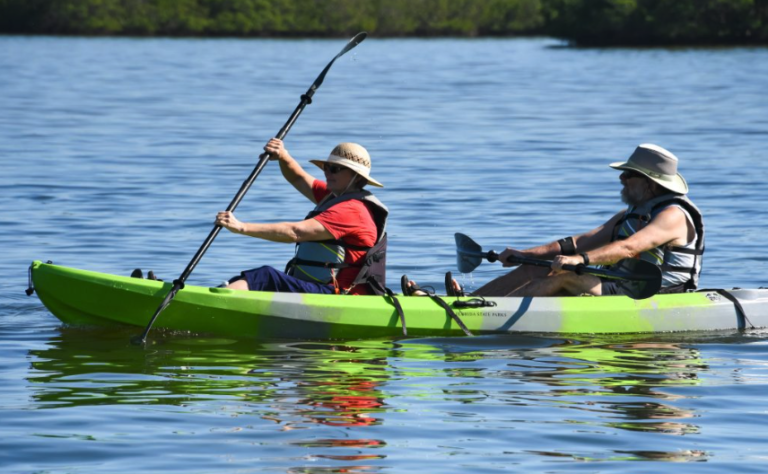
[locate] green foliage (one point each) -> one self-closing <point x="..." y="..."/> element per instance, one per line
<point x="587" y="22"/>
<point x="271" y="17"/>
<point x="658" y="22"/>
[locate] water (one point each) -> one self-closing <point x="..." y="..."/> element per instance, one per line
<point x="117" y="153"/>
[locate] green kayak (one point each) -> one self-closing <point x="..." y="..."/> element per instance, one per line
<point x="80" y="297"/>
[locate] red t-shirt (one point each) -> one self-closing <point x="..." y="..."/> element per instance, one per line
<point x="352" y="223"/>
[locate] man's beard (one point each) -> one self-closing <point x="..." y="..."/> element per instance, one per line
<point x="631" y="199"/>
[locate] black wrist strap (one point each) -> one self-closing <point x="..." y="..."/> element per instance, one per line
<point x="567" y="247"/>
<point x="585" y="257"/>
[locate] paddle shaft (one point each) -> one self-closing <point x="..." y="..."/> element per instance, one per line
<point x="578" y="269"/>
<point x="306" y="99"/>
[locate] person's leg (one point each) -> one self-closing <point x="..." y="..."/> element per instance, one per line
<point x="240" y="284"/>
<point x="510" y="282"/>
<point x="568" y="283"/>
<point x="268" y="279"/>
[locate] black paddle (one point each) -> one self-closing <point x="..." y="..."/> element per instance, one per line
<point x="306" y="99"/>
<point x="639" y="278"/>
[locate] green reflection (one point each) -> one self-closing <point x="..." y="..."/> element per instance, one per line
<point x="291" y="383"/>
<point x="609" y="384"/>
<point x="605" y="379"/>
<point x="620" y="379"/>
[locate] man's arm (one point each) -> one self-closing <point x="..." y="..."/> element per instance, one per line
<point x="291" y="169"/>
<point x="668" y="226"/>
<point x="309" y="230"/>
<point x="585" y="242"/>
<point x="598" y="236"/>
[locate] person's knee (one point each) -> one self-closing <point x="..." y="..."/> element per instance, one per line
<point x="526" y="273"/>
<point x="577" y="284"/>
<point x="240" y="284"/>
<point x="263" y="278"/>
<point x="532" y="272"/>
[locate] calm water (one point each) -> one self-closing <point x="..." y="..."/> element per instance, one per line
<point x="117" y="153"/>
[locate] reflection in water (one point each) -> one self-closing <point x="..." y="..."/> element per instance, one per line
<point x="294" y="385"/>
<point x="90" y="367"/>
<point x="615" y="381"/>
<point x="633" y="373"/>
<point x="346" y="392"/>
<point x="681" y="456"/>
<point x="634" y="370"/>
<point x="612" y="380"/>
<point x="360" y="387"/>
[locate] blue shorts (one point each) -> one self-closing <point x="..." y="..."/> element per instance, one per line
<point x="268" y="279"/>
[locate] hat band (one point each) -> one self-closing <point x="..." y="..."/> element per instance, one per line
<point x="353" y="165"/>
<point x="652" y="174"/>
<point x="362" y="161"/>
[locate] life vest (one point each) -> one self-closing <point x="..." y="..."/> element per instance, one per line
<point x="680" y="266"/>
<point x="320" y="261"/>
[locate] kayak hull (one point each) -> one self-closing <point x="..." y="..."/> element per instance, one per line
<point x="87" y="298"/>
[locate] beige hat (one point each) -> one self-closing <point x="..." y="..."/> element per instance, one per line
<point x="657" y="164"/>
<point x="352" y="156"/>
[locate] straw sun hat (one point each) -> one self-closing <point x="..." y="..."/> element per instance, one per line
<point x="352" y="156"/>
<point x="657" y="164"/>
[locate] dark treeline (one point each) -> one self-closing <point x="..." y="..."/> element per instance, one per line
<point x="658" y="22"/>
<point x="583" y="22"/>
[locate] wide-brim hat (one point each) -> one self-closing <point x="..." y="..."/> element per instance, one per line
<point x="352" y="156"/>
<point x="657" y="164"/>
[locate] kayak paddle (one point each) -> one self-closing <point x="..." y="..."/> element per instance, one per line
<point x="639" y="278"/>
<point x="306" y="99"/>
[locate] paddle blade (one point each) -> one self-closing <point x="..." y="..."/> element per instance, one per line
<point x="469" y="254"/>
<point x="643" y="278"/>
<point x="466" y="244"/>
<point x="358" y="38"/>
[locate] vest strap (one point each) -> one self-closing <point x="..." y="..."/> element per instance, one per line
<point x="673" y="268"/>
<point x="346" y="246"/>
<point x="681" y="288"/>
<point x="686" y="251"/>
<point x="313" y="263"/>
<point x="635" y="215"/>
<point x="373" y="268"/>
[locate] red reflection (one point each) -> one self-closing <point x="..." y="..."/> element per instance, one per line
<point x="348" y="410"/>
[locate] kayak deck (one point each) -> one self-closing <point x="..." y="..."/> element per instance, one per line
<point x="85" y="298"/>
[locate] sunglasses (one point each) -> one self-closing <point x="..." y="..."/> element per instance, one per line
<point x="332" y="169"/>
<point x="629" y="174"/>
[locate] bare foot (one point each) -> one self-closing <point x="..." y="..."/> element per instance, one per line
<point x="415" y="289"/>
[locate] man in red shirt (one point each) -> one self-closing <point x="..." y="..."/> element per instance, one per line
<point x="341" y="244"/>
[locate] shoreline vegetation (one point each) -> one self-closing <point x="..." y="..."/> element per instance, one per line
<point x="579" y="22"/>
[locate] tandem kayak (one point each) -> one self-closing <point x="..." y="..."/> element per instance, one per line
<point x="87" y="298"/>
